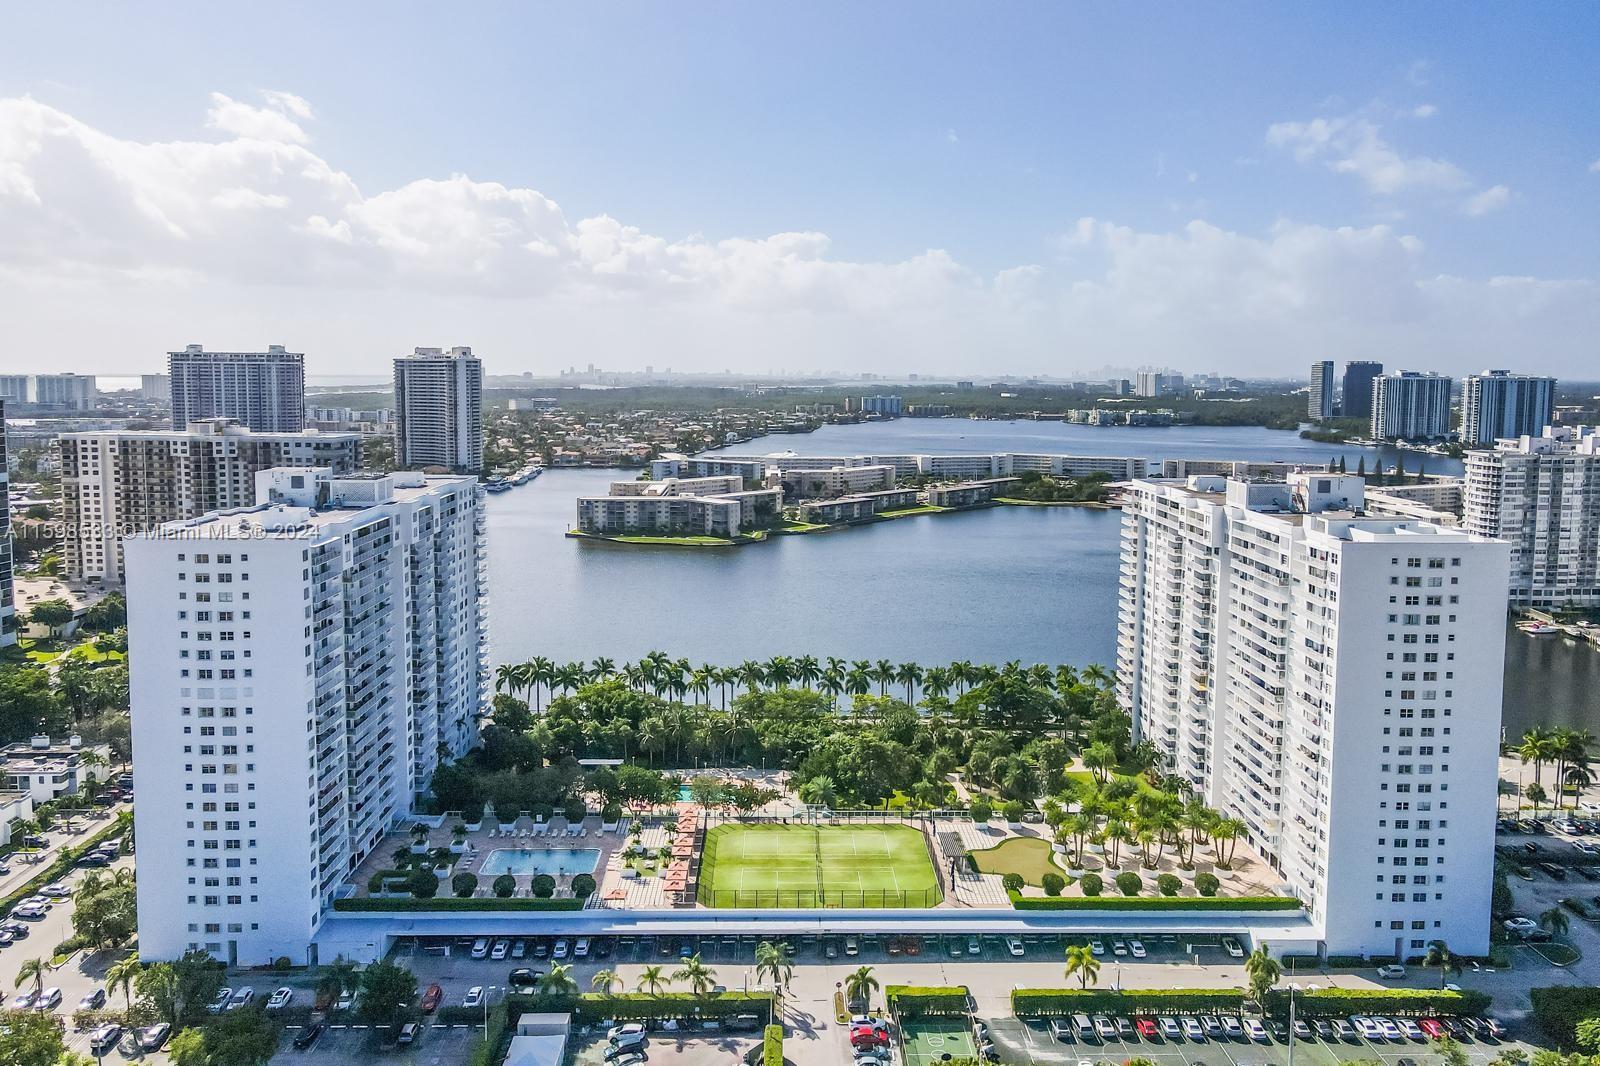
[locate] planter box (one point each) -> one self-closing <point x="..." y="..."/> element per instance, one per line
<point x="1059" y="849"/>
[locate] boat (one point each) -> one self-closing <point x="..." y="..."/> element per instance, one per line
<point x="1539" y="629"/>
<point x="496" y="484"/>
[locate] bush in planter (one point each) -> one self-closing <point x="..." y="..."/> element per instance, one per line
<point x="542" y="812"/>
<point x="1012" y="882"/>
<point x="1206" y="884"/>
<point x="1168" y="884"/>
<point x="423" y="884"/>
<point x="504" y="886"/>
<point x="1012" y="810"/>
<point x="1129" y="883"/>
<point x="1091" y="884"/>
<point x="374" y="884"/>
<point x="1053" y="883"/>
<point x="981" y="810"/>
<point x="464" y="884"/>
<point x="583" y="886"/>
<point x="544" y="886"/>
<point x="611" y="812"/>
<point x="576" y="812"/>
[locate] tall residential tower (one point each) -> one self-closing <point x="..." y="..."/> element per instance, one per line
<point x="1319" y="403"/>
<point x="1409" y="406"/>
<point x="263" y="391"/>
<point x="438" y="410"/>
<point x="1498" y="404"/>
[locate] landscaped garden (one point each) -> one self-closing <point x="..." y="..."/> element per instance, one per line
<point x="1026" y="857"/>
<point x="817" y="866"/>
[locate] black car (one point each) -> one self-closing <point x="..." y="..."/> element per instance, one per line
<point x="309" y="1034"/>
<point x="1555" y="872"/>
<point x="522" y="979"/>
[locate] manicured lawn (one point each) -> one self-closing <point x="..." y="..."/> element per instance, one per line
<point x="1028" y="856"/>
<point x="792" y="866"/>
<point x="925" y="508"/>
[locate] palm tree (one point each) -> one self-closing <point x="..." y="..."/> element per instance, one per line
<point x="1439" y="955"/>
<point x="910" y="675"/>
<point x="780" y="671"/>
<point x="560" y="982"/>
<point x="652" y="979"/>
<point x="700" y="978"/>
<point x="340" y="977"/>
<point x="122" y="974"/>
<point x="807" y="670"/>
<point x="1263" y="971"/>
<point x="31" y="970"/>
<point x="859" y="986"/>
<point x="604" y="668"/>
<point x="751" y="675"/>
<point x="1536" y="795"/>
<point x="772" y="963"/>
<point x="883" y="673"/>
<point x="22" y="829"/>
<point x="1535" y="748"/>
<point x="604" y="981"/>
<point x="1225" y="839"/>
<point x="1555" y="920"/>
<point x="1081" y="961"/>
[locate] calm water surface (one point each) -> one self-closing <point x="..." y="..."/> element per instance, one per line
<point x="1034" y="584"/>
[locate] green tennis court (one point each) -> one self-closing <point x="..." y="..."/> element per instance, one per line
<point x="930" y="1041"/>
<point x="817" y="866"/>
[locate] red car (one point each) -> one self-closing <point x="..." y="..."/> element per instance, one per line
<point x="1146" y="1027"/>
<point x="867" y="1036"/>
<point x="1432" y="1027"/>
<point x="430" y="998"/>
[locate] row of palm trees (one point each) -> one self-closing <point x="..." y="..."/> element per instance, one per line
<point x="1568" y="750"/>
<point x="1150" y="820"/>
<point x="661" y="675"/>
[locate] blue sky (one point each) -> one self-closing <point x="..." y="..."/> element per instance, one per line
<point x="1030" y="187"/>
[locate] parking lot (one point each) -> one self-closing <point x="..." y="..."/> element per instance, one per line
<point x="342" y="1045"/>
<point x="665" y="1048"/>
<point x="1020" y="1043"/>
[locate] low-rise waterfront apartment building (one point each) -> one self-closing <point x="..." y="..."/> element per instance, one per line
<point x="858" y="507"/>
<point x="969" y="493"/>
<point x="1542" y="496"/>
<point x="999" y="464"/>
<point x="716" y="506"/>
<point x="298" y="670"/>
<point x="116" y="482"/>
<point x="1332" y="680"/>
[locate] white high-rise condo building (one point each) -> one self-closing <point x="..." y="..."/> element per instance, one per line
<point x="1407" y="405"/>
<point x="1332" y="680"/>
<point x="298" y="669"/>
<point x="438" y="409"/>
<point x="264" y="391"/>
<point x="1498" y="404"/>
<point x="50" y="393"/>
<point x="115" y="482"/>
<point x="1542" y="495"/>
<point x="1319" y="404"/>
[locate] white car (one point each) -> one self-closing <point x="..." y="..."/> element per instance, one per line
<point x="1192" y="1029"/>
<point x="1014" y="945"/>
<point x="580" y="948"/>
<point x="1119" y="948"/>
<point x="56" y="890"/>
<point x="1520" y="925"/>
<point x="480" y="948"/>
<point x="219" y="1001"/>
<point x="1585" y="847"/>
<point x="501" y="949"/>
<point x="1255" y="1030"/>
<point x="619" y="1031"/>
<point x="280" y="998"/>
<point x="1391" y="1031"/>
<point x="241" y="998"/>
<point x="1097" y="947"/>
<point x="49" y="999"/>
<point x="1368" y="1028"/>
<point x="1137" y="949"/>
<point x="474" y="997"/>
<point x="1393" y="970"/>
<point x="1232" y="946"/>
<point x="1412" y="1030"/>
<point x="560" y="950"/>
<point x="22" y="1001"/>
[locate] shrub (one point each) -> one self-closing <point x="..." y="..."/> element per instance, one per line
<point x="1156" y="903"/>
<point x="611" y="812"/>
<point x="1206" y="884"/>
<point x="1559" y="1009"/>
<point x="1342" y="1002"/>
<point x="544" y="886"/>
<point x="542" y="812"/>
<point x="1060" y="1002"/>
<point x="1013" y="882"/>
<point x="504" y="885"/>
<point x="1012" y="810"/>
<point x="641" y="1006"/>
<point x="583" y="886"/>
<point x="576" y="811"/>
<point x="1129" y="883"/>
<point x="464" y="884"/>
<point x="1168" y="884"/>
<point x="1090" y="884"/>
<point x="423" y="884"/>
<point x="521" y="903"/>
<point x="981" y="810"/>
<point x="1053" y="883"/>
<point x="911" y="1001"/>
<point x="772" y="1046"/>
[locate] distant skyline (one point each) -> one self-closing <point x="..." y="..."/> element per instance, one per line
<point x="939" y="188"/>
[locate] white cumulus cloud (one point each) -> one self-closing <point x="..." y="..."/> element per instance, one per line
<point x="1491" y="199"/>
<point x="275" y="122"/>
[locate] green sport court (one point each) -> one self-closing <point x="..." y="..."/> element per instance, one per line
<point x="817" y="866"/>
<point x="928" y="1040"/>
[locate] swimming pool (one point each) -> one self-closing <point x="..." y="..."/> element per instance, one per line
<point x="685" y="793"/>
<point x="541" y="861"/>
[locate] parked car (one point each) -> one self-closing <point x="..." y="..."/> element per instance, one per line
<point x="474" y="997"/>
<point x="519" y="948"/>
<point x="852" y="946"/>
<point x="524" y="979"/>
<point x="1146" y="1027"/>
<point x="973" y="946"/>
<point x="1060" y="1028"/>
<point x="1170" y="1029"/>
<point x="408" y="1033"/>
<point x="309" y="1034"/>
<point x="93" y="999"/>
<point x="562" y="947"/>
<point x="1232" y="946"/>
<point x="1014" y="945"/>
<point x="1324" y="1028"/>
<point x="620" y="1045"/>
<point x="1212" y="1027"/>
<point x="1097" y="947"/>
<point x="219" y="1001"/>
<point x="105" y="1039"/>
<point x="431" y="997"/>
<point x="1192" y="1029"/>
<point x="243" y="997"/>
<point x="480" y="948"/>
<point x="1255" y="1030"/>
<point x="1411" y="1029"/>
<point x="1391" y="971"/>
<point x="1232" y="1027"/>
<point x="1137" y="948"/>
<point x="1432" y="1028"/>
<point x="152" y="1038"/>
<point x="22" y="1000"/>
<point x="1104" y="1027"/>
<point x="616" y="1032"/>
<point x="1343" y="1029"/>
<point x="580" y="948"/>
<point x="502" y="948"/>
<point x="49" y="999"/>
<point x="1124" y="1027"/>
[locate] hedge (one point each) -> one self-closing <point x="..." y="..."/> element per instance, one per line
<point x="367" y="903"/>
<point x="642" y="1006"/>
<point x="1154" y="903"/>
<point x="1559" y="1009"/>
<point x="62" y="864"/>
<point x="1059" y="1002"/>
<point x="915" y="1001"/>
<point x="1341" y="1002"/>
<point x="772" y="1046"/>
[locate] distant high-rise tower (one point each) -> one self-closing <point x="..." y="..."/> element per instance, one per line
<point x="8" y="615"/>
<point x="1319" y="405"/>
<point x="438" y="410"/>
<point x="1497" y="404"/>
<point x="263" y="391"/>
<point x="1410" y="406"/>
<point x="1358" y="377"/>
